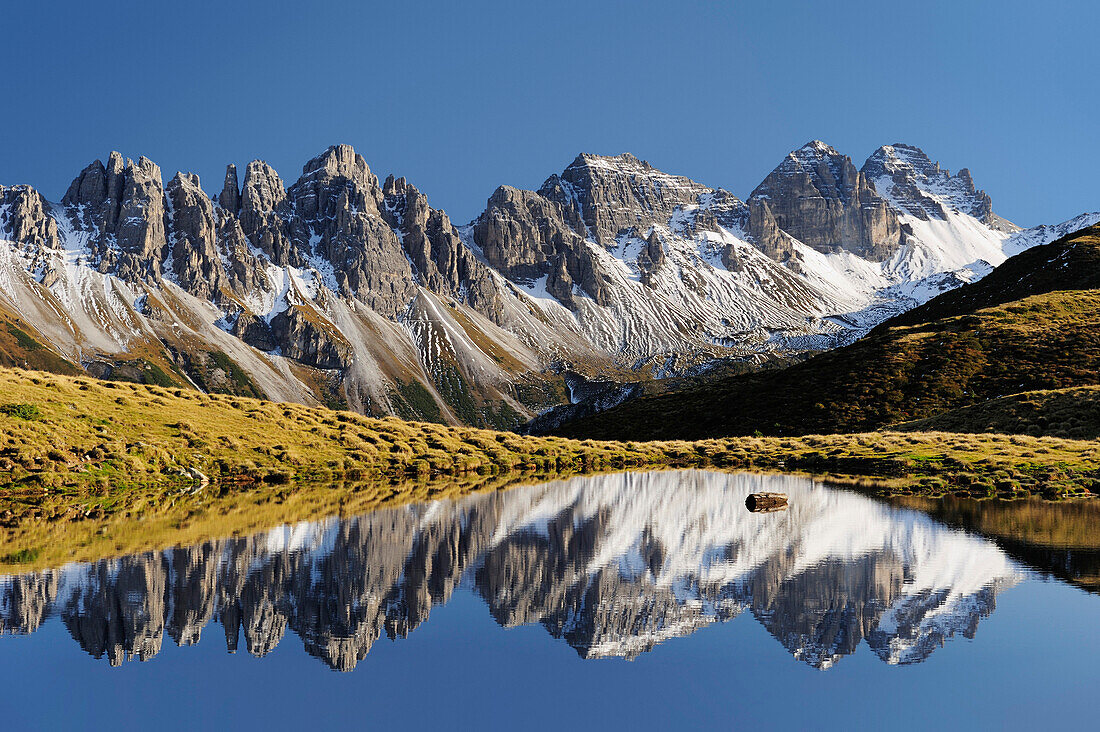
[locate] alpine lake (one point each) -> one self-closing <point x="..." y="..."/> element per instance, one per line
<point x="637" y="600"/>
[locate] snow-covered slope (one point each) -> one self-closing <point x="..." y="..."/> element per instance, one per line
<point x="611" y="564"/>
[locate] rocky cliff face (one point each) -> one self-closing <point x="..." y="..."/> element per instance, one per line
<point x="612" y="565"/>
<point x="123" y="207"/>
<point x="341" y="290"/>
<point x="613" y="195"/>
<point x="818" y="197"/>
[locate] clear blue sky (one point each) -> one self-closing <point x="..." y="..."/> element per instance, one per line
<point x="463" y="96"/>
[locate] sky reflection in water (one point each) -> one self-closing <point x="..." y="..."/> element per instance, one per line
<point x="643" y="566"/>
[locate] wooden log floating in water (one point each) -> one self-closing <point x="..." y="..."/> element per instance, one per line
<point x="766" y="502"/>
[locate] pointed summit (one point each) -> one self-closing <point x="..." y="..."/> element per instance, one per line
<point x="913" y="183"/>
<point x="230" y="197"/>
<point x="622" y="162"/>
<point x="831" y="173"/>
<point x="815" y="148"/>
<point x="339" y="160"/>
<point x="817" y="196"/>
<point x="263" y="189"/>
<point x="615" y="193"/>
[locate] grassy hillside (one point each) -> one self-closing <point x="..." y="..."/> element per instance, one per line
<point x="1070" y="413"/>
<point x="896" y="374"/>
<point x="904" y="370"/>
<point x="80" y="430"/>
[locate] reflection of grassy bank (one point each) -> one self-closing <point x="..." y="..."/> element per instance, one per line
<point x="1061" y="525"/>
<point x="1062" y="538"/>
<point x="157" y="518"/>
<point x="77" y="450"/>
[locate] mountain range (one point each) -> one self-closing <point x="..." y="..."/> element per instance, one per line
<point x="344" y="290"/>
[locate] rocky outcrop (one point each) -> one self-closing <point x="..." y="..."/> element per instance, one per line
<point x="335" y="218"/>
<point x="768" y="236"/>
<point x="596" y="200"/>
<point x="261" y="194"/>
<point x="230" y="197"/>
<point x="614" y="194"/>
<point x="434" y="247"/>
<point x="193" y="241"/>
<point x="528" y="236"/>
<point x="243" y="271"/>
<point x="96" y="193"/>
<point x="124" y="208"/>
<point x="305" y="336"/>
<point x="817" y="196"/>
<point x="25" y="218"/>
<point x="523" y="235"/>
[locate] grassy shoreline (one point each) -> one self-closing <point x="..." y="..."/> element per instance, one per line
<point x="79" y="452"/>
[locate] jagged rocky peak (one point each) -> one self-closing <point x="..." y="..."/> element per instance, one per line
<point x="337" y="179"/>
<point x="334" y="223"/>
<point x="98" y="188"/>
<point x="123" y="205"/>
<point x="230" y="197"/>
<point x="141" y="216"/>
<point x="262" y="193"/>
<point x="394" y="186"/>
<point x="263" y="189"/>
<point x="101" y="191"/>
<point x="522" y="232"/>
<point x="613" y="194"/>
<point x="24" y="218"/>
<point x="340" y="161"/>
<point x="529" y="235"/>
<point x="917" y="186"/>
<point x="193" y="255"/>
<point x="433" y="244"/>
<point x="819" y="197"/>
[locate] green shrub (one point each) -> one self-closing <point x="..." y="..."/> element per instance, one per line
<point x="21" y="411"/>
<point x="22" y="556"/>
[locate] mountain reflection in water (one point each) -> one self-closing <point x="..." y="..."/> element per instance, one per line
<point x="611" y="564"/>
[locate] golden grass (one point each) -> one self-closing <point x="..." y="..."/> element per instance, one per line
<point x="75" y="450"/>
<point x="157" y="518"/>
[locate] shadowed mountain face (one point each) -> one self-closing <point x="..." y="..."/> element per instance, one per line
<point x="612" y="565"/>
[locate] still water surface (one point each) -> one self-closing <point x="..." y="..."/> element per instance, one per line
<point x="640" y="600"/>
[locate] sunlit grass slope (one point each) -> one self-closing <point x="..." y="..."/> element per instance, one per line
<point x="74" y="448"/>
